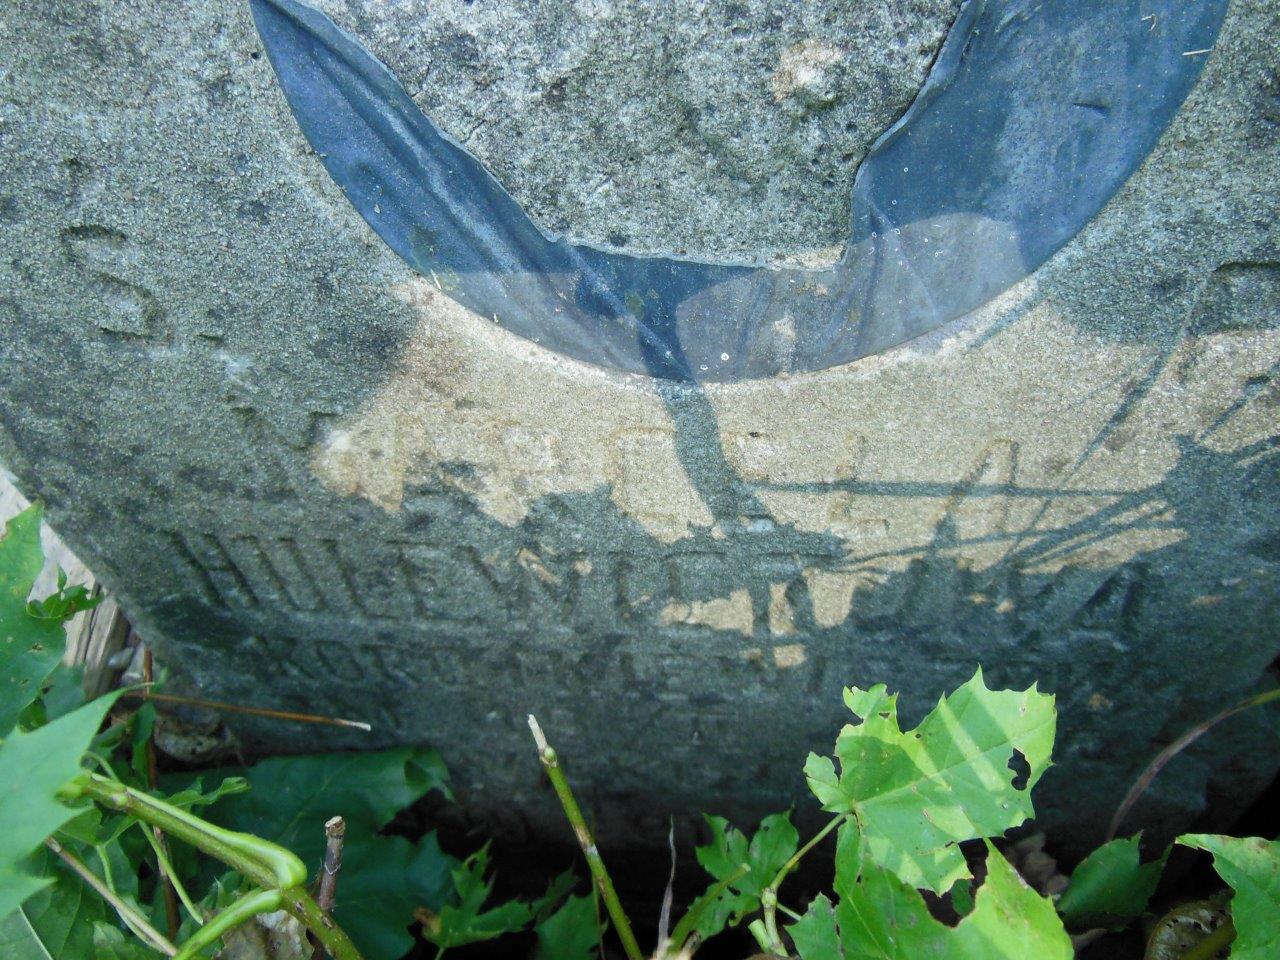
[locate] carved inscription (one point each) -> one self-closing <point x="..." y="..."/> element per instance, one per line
<point x="108" y="261"/>
<point x="457" y="584"/>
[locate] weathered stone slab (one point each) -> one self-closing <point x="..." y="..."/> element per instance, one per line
<point x="317" y="482"/>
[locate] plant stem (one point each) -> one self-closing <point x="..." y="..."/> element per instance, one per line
<point x="268" y="865"/>
<point x="168" y="878"/>
<point x="335" y="829"/>
<point x="769" y="896"/>
<point x="101" y="850"/>
<point x="172" y="885"/>
<point x="331" y="936"/>
<point x="219" y="706"/>
<point x="243" y="910"/>
<point x="573" y="812"/>
<point x="1172" y="750"/>
<point x="761" y="935"/>
<point x="1210" y="946"/>
<point x="799" y="855"/>
<point x="133" y="920"/>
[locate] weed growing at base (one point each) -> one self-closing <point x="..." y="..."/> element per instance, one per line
<point x="95" y="857"/>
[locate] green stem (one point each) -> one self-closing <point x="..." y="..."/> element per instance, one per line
<point x="272" y="867"/>
<point x="167" y="871"/>
<point x="769" y="896"/>
<point x="101" y="850"/>
<point x="331" y="936"/>
<point x="246" y="908"/>
<point x="757" y="930"/>
<point x="769" y="901"/>
<point x="132" y="919"/>
<point x="1213" y="944"/>
<point x="799" y="855"/>
<point x="573" y="812"/>
<point x="789" y="912"/>
<point x="267" y="864"/>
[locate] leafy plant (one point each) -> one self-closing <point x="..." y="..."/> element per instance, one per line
<point x="1111" y="887"/>
<point x="743" y="870"/>
<point x="570" y="933"/>
<point x="384" y="878"/>
<point x="465" y="918"/>
<point x="1251" y="867"/>
<point x="96" y="859"/>
<point x="903" y="802"/>
<point x="32" y="635"/>
<point x="87" y="863"/>
<point x="916" y="794"/>
<point x="55" y="809"/>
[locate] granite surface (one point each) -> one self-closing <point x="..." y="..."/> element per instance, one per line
<point x="318" y="483"/>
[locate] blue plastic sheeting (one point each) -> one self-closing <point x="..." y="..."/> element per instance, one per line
<point x="1033" y="115"/>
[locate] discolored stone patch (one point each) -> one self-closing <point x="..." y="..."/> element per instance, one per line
<point x="704" y="127"/>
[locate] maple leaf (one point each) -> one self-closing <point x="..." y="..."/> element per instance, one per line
<point x="917" y="794"/>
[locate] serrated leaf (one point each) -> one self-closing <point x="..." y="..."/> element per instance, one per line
<point x="383" y="881"/>
<point x="882" y="918"/>
<point x="34" y="766"/>
<point x="30" y="648"/>
<point x="1111" y="887"/>
<point x="560" y="887"/>
<point x="290" y="798"/>
<point x="384" y="878"/>
<point x="1251" y="867"/>
<point x="815" y="934"/>
<point x="54" y="924"/>
<point x="571" y="933"/>
<point x="767" y="852"/>
<point x="195" y="796"/>
<point x="464" y="919"/>
<point x="919" y="793"/>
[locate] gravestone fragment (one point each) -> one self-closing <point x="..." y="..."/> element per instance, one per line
<point x="320" y="479"/>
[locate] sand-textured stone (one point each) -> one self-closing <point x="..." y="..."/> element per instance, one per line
<point x="718" y="128"/>
<point x="318" y="483"/>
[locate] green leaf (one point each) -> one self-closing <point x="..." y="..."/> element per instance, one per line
<point x="54" y="924"/>
<point x="962" y="898"/>
<point x="465" y="920"/>
<point x="1251" y="867"/>
<point x="560" y="887"/>
<point x="571" y="933"/>
<point x="34" y="767"/>
<point x="30" y="648"/>
<point x="918" y="793"/>
<point x="290" y="798"/>
<point x="1111" y="887"/>
<point x="64" y="603"/>
<point x="815" y="934"/>
<point x="729" y="850"/>
<point x="882" y="918"/>
<point x="384" y="878"/>
<point x="849" y="856"/>
<point x="110" y="944"/>
<point x="195" y="796"/>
